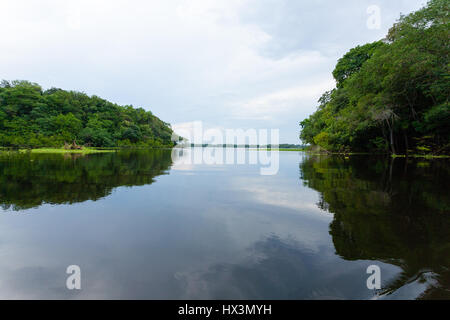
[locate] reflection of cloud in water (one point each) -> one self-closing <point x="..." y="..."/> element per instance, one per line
<point x="279" y="195"/>
<point x="30" y="282"/>
<point x="275" y="269"/>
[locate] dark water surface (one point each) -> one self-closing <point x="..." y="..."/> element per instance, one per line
<point x="141" y="226"/>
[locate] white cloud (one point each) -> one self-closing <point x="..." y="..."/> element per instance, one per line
<point x="270" y="105"/>
<point x="288" y="198"/>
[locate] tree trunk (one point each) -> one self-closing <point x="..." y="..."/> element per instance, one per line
<point x="406" y="142"/>
<point x="392" y="141"/>
<point x="391" y="135"/>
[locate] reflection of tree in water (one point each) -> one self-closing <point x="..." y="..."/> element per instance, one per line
<point x="29" y="180"/>
<point x="395" y="211"/>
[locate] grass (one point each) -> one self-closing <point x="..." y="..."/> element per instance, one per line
<point x="62" y="150"/>
<point x="425" y="156"/>
<point x="348" y="154"/>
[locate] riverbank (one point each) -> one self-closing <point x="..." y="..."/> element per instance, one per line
<point x="62" y="150"/>
<point x="83" y="151"/>
<point x="424" y="156"/>
<point x="315" y="150"/>
<point x="310" y="152"/>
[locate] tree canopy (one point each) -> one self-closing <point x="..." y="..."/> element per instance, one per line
<point x="391" y="95"/>
<point x="32" y="117"/>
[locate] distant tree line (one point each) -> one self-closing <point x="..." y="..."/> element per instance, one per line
<point x="32" y="117"/>
<point x="391" y="95"/>
<point x="268" y="146"/>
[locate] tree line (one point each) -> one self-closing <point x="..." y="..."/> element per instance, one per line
<point x="391" y="95"/>
<point x="32" y="117"/>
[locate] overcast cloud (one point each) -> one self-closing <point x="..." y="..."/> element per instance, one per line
<point x="231" y="63"/>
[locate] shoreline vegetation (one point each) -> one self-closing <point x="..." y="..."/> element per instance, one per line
<point x="64" y="151"/>
<point x="83" y="151"/>
<point x="391" y="96"/>
<point x="32" y="118"/>
<point x="307" y="150"/>
<point x="314" y="150"/>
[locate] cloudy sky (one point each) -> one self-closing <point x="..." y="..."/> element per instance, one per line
<point x="258" y="64"/>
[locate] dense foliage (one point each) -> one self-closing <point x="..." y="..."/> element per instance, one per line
<point x="31" y="117"/>
<point x="391" y="95"/>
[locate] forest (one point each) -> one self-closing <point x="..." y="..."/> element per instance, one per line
<point x="391" y="96"/>
<point x="31" y="117"/>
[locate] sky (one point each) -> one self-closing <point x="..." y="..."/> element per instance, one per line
<point x="232" y="64"/>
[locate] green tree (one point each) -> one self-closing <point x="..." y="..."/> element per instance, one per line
<point x="30" y="117"/>
<point x="391" y="94"/>
<point x="352" y="61"/>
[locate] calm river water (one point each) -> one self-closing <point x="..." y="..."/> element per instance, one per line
<point x="142" y="225"/>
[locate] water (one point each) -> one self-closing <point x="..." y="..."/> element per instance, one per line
<point x="141" y="226"/>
